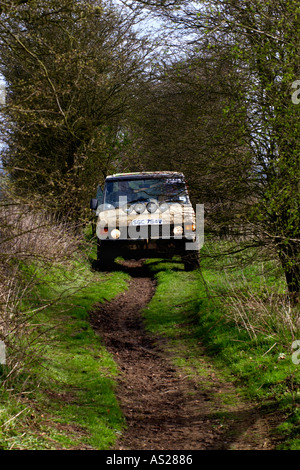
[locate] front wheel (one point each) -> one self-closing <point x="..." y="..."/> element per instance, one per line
<point x="105" y="256"/>
<point x="191" y="261"/>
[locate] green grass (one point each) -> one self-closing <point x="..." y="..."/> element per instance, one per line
<point x="198" y="322"/>
<point x="66" y="399"/>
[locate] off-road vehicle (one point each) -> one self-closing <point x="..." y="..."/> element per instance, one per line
<point x="145" y="215"/>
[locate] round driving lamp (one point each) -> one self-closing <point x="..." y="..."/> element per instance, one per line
<point x="127" y="208"/>
<point x="139" y="208"/>
<point x="151" y="207"/>
<point x="164" y="206"/>
<point x="115" y="234"/>
<point x="178" y="230"/>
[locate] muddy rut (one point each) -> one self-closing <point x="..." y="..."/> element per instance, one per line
<point x="164" y="409"/>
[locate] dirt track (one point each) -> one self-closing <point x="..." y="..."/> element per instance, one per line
<point x="163" y="409"/>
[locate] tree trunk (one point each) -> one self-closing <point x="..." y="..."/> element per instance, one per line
<point x="289" y="257"/>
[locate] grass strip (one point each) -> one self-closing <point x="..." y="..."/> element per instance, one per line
<point x="66" y="399"/>
<point x="202" y="331"/>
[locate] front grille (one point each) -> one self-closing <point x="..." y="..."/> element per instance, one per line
<point x="149" y="232"/>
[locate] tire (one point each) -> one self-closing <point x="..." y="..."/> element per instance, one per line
<point x="105" y="256"/>
<point x="191" y="261"/>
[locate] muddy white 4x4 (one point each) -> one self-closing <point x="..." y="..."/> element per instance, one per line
<point x="145" y="215"/>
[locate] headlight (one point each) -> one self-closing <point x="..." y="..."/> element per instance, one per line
<point x="115" y="234"/>
<point x="178" y="230"/>
<point x="164" y="206"/>
<point x="152" y="207"/>
<point x="139" y="208"/>
<point x="127" y="208"/>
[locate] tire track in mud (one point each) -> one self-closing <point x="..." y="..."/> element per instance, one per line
<point x="163" y="409"/>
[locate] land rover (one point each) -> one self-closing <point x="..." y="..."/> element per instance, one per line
<point x="145" y="215"/>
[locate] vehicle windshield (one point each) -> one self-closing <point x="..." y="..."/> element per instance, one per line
<point x="167" y="189"/>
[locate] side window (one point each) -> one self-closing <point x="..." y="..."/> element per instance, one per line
<point x="99" y="195"/>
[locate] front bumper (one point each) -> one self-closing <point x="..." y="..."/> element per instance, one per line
<point x="148" y="248"/>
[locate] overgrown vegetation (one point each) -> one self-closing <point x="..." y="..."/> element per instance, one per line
<point x="71" y="68"/>
<point x="236" y="131"/>
<point x="57" y="385"/>
<point x="88" y="94"/>
<point x="240" y="317"/>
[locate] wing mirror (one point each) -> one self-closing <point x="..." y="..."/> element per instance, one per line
<point x="94" y="204"/>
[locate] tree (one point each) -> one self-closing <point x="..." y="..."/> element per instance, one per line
<point x="70" y="68"/>
<point x="180" y="124"/>
<point x="262" y="39"/>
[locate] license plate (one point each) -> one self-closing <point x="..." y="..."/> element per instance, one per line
<point x="146" y="222"/>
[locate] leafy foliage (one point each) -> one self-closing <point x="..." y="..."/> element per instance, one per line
<point x="70" y="69"/>
<point x="251" y="152"/>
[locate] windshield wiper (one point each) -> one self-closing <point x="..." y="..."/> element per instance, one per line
<point x="134" y="201"/>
